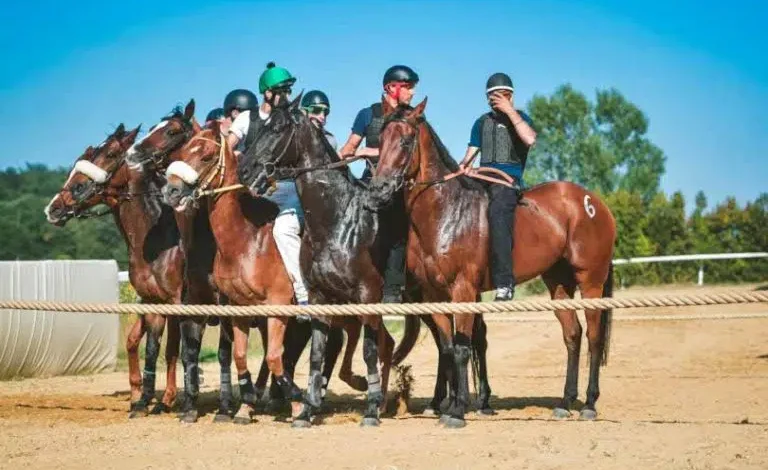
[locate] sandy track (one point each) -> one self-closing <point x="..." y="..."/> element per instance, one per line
<point x="674" y="395"/>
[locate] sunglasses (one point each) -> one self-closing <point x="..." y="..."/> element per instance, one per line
<point x="286" y="90"/>
<point x="318" y="110"/>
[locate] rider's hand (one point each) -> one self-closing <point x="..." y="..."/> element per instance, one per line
<point x="501" y="103"/>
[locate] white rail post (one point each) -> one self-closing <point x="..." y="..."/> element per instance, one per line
<point x="701" y="274"/>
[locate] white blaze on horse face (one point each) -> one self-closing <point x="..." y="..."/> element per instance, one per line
<point x="47" y="210"/>
<point x="591" y="211"/>
<point x="182" y="171"/>
<point x="132" y="151"/>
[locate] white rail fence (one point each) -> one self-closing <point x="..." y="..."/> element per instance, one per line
<point x="122" y="276"/>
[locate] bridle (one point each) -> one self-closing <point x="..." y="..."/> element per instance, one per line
<point x="159" y="157"/>
<point x="210" y="172"/>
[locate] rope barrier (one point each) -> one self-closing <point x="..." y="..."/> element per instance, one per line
<point x="724" y="298"/>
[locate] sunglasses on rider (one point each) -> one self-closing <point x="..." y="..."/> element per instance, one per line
<point x="318" y="110"/>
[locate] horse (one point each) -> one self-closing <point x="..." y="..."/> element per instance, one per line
<point x="247" y="268"/>
<point x="154" y="153"/>
<point x="563" y="232"/>
<point x="344" y="245"/>
<point x="155" y="259"/>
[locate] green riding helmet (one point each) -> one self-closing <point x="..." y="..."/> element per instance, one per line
<point x="275" y="77"/>
<point x="316" y="98"/>
<point x="241" y="100"/>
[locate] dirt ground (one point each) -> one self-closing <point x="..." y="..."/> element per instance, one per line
<point x="676" y="394"/>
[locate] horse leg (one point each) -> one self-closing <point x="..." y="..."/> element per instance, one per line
<point x="132" y="343"/>
<point x="171" y="357"/>
<point x="192" y="336"/>
<point x="461" y="351"/>
<point x="444" y="326"/>
<point x="297" y="336"/>
<point x="357" y="382"/>
<point x="313" y="397"/>
<point x="480" y="346"/>
<point x="224" y="414"/>
<point x="241" y="328"/>
<point x="598" y="331"/>
<point x="156" y="325"/>
<point x="386" y="349"/>
<point x="441" y="383"/>
<point x="375" y="398"/>
<point x="332" y="351"/>
<point x="276" y="327"/>
<point x="562" y="286"/>
<point x="261" y="379"/>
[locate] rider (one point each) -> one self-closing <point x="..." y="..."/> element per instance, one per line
<point x="503" y="138"/>
<point x="239" y="103"/>
<point x="399" y="87"/>
<point x="317" y="106"/>
<point x="275" y="85"/>
<point x="217" y="115"/>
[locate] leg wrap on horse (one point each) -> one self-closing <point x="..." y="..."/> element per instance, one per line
<point x="461" y="352"/>
<point x="151" y="353"/>
<point x="371" y="356"/>
<point x="289" y="388"/>
<point x="314" y="393"/>
<point x="247" y="392"/>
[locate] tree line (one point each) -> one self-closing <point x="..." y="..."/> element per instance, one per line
<point x="600" y="143"/>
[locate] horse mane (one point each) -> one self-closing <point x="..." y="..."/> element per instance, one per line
<point x="176" y="112"/>
<point x="449" y="162"/>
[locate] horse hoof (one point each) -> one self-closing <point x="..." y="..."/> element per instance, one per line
<point x="588" y="414"/>
<point x="429" y="412"/>
<point x="138" y="411"/>
<point x="443" y="419"/>
<point x="274" y="405"/>
<point x="301" y="424"/>
<point x="561" y="413"/>
<point x="189" y="417"/>
<point x="160" y="408"/>
<point x="370" y="422"/>
<point x="486" y="411"/>
<point x="222" y="418"/>
<point x="454" y="423"/>
<point x="241" y="420"/>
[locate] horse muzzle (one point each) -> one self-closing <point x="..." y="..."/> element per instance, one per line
<point x="381" y="193"/>
<point x="177" y="194"/>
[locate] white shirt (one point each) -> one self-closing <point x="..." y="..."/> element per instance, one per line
<point x="241" y="124"/>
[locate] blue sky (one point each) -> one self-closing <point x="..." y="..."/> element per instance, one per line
<point x="698" y="69"/>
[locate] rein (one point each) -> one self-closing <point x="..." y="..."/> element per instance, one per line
<point x="219" y="169"/>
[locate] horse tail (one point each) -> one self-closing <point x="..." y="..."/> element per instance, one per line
<point x="410" y="335"/>
<point x="606" y="318"/>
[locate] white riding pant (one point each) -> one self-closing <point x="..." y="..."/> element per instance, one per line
<point x="287" y="233"/>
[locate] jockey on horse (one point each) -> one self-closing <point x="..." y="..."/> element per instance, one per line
<point x="503" y="138"/>
<point x="317" y="107"/>
<point x="399" y="87"/>
<point x="275" y="85"/>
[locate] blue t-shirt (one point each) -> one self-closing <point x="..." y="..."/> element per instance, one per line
<point x="362" y="121"/>
<point x="476" y="140"/>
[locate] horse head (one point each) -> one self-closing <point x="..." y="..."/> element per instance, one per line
<point x="93" y="179"/>
<point x="200" y="166"/>
<point x="173" y="130"/>
<point x="398" y="149"/>
<point x="276" y="146"/>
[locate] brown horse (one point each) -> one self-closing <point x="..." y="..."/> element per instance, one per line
<point x="154" y="153"/>
<point x="247" y="268"/>
<point x="155" y="260"/>
<point x="563" y="232"/>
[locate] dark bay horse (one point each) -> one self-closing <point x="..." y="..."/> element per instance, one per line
<point x="154" y="153"/>
<point x="343" y="252"/>
<point x="155" y="260"/>
<point x="563" y="232"/>
<point x="247" y="268"/>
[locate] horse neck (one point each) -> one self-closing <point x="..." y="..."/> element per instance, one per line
<point x="225" y="212"/>
<point x="136" y="215"/>
<point x="325" y="194"/>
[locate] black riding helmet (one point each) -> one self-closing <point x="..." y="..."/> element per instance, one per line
<point x="316" y="98"/>
<point x="215" y="114"/>
<point x="499" y="81"/>
<point x="241" y="100"/>
<point x="400" y="73"/>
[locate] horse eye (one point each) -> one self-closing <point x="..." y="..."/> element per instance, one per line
<point x="172" y="132"/>
<point x="207" y="158"/>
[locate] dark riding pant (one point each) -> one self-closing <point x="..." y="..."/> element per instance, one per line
<point x="501" y="220"/>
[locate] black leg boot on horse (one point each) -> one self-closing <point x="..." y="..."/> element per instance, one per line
<point x="313" y="397"/>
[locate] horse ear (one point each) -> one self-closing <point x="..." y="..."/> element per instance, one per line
<point x="386" y="109"/>
<point x="418" y="111"/>
<point x="119" y="132"/>
<point x="129" y="138"/>
<point x="296" y="101"/>
<point x="196" y="125"/>
<point x="189" y="111"/>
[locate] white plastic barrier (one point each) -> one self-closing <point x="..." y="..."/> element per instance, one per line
<point x="34" y="344"/>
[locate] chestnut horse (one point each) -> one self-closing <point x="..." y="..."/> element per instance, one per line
<point x="154" y="153"/>
<point x="247" y="268"/>
<point x="155" y="260"/>
<point x="563" y="232"/>
<point x="344" y="246"/>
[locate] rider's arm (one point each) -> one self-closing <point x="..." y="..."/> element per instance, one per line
<point x="474" y="143"/>
<point x="352" y="144"/>
<point x="238" y="130"/>
<point x="471" y="151"/>
<point x="522" y="124"/>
